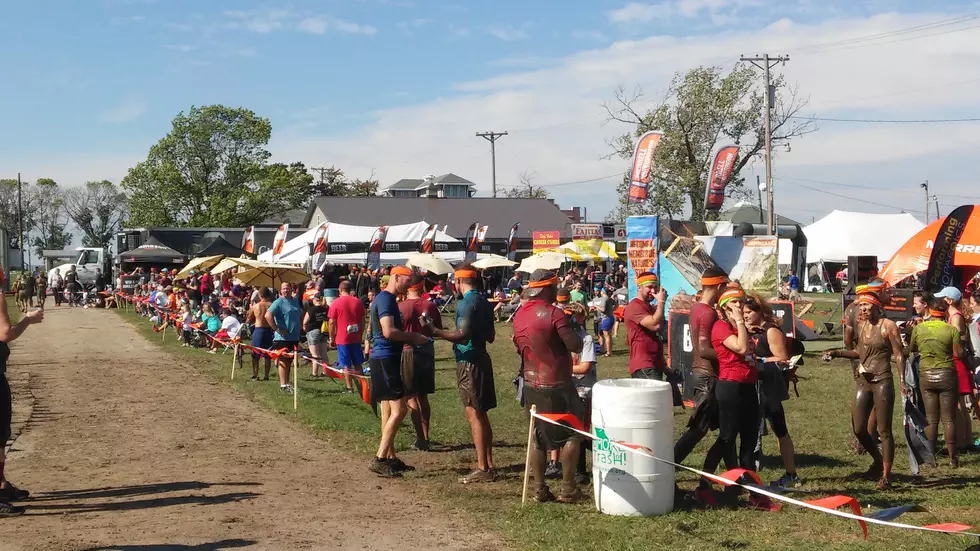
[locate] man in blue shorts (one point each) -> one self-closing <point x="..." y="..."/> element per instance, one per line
<point x="346" y="317"/>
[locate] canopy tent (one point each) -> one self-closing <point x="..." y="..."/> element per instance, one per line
<point x="152" y="252"/>
<point x="913" y="256"/>
<point x="588" y="250"/>
<point x="220" y="246"/>
<point x="841" y="234"/>
<point x="347" y="245"/>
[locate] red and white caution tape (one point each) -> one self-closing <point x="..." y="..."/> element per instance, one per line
<point x="824" y="505"/>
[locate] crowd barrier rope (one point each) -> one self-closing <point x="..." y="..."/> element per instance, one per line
<point x="828" y="505"/>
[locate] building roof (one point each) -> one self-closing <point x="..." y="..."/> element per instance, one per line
<point x="498" y="213"/>
<point x="291" y="217"/>
<point x="413" y="184"/>
<point x="746" y="211"/>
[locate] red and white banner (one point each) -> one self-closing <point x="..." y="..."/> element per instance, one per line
<point x="482" y="234"/>
<point x="428" y="243"/>
<point x="586" y="231"/>
<point x="642" y="171"/>
<point x="279" y="240"/>
<point x="319" y="256"/>
<point x="374" y="249"/>
<point x="472" y="237"/>
<point x="248" y="240"/>
<point x="512" y="242"/>
<point x="721" y="173"/>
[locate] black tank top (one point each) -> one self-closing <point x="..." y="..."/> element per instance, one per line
<point x="762" y="349"/>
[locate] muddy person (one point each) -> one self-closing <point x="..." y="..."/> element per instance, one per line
<point x="474" y="369"/>
<point x="545" y="339"/>
<point x="285" y="318"/>
<point x="878" y="347"/>
<point x="413" y="309"/>
<point x="705" y="377"/>
<point x="387" y="386"/>
<point x="643" y="324"/>
<point x="9" y="332"/>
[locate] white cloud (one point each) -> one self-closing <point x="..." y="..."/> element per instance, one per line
<point x="635" y="12"/>
<point x="182" y="48"/>
<point x="556" y="127"/>
<point x="322" y="24"/>
<point x="127" y="111"/>
<point x="508" y="33"/>
<point x="456" y="31"/>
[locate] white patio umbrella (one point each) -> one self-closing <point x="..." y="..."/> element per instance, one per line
<point x="541" y="261"/>
<point x="272" y="275"/>
<point x="229" y="263"/>
<point x="429" y="263"/>
<point x="494" y="261"/>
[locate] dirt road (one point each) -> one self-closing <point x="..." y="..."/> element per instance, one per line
<point x="127" y="448"/>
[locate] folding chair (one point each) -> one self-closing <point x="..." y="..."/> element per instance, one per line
<point x="450" y="302"/>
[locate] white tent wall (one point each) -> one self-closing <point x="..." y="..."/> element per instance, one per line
<point x="841" y="234"/>
<point x="297" y="250"/>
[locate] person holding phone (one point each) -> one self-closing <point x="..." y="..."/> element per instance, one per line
<point x="643" y="325"/>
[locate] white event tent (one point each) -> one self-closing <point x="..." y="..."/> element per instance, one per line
<point x="297" y="251"/>
<point x="841" y="234"/>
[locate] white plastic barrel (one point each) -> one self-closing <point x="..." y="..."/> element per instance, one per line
<point x="637" y="411"/>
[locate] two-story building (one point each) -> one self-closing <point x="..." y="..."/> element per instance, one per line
<point x="447" y="186"/>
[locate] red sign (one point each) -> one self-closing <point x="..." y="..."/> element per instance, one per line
<point x="721" y="174"/>
<point x="542" y="241"/>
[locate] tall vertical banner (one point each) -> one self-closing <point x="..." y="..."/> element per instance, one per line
<point x="472" y="241"/>
<point x="482" y="234"/>
<point x="512" y="242"/>
<point x="721" y="173"/>
<point x="278" y="241"/>
<point x="376" y="246"/>
<point x="248" y="240"/>
<point x="642" y="171"/>
<point x="642" y="248"/>
<point x="428" y="243"/>
<point x="319" y="256"/>
<point x="941" y="271"/>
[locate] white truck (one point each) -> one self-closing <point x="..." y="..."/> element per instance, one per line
<point x="89" y="259"/>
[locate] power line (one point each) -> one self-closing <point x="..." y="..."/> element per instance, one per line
<point x="889" y="121"/>
<point x="872" y="188"/>
<point x="906" y="30"/>
<point x="903" y="209"/>
<point x="559" y="184"/>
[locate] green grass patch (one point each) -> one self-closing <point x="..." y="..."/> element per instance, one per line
<point x="12" y="310"/>
<point x="819" y="421"/>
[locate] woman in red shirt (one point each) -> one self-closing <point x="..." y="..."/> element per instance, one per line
<point x="735" y="393"/>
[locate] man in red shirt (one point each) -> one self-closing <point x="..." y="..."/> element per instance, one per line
<point x="423" y="358"/>
<point x="346" y="315"/>
<point x="643" y="324"/>
<point x="545" y="339"/>
<point x="705" y="371"/>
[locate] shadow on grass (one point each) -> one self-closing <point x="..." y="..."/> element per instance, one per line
<point x="211" y="546"/>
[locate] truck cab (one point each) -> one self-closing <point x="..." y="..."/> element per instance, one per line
<point x="89" y="259"/>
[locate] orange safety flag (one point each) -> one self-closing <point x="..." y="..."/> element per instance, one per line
<point x="833" y="502"/>
<point x="949" y="527"/>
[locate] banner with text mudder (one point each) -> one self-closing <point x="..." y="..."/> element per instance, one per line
<point x="642" y="248"/>
<point x="942" y="272"/>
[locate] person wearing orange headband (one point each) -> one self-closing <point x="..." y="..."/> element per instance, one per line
<point x="643" y="325"/>
<point x="705" y="376"/>
<point x="387" y="385"/>
<point x="939" y="346"/>
<point x="876" y="347"/>
<point x="474" y="369"/>
<point x="8" y="332"/>
<point x="546" y="339"/>
<point x="423" y="358"/>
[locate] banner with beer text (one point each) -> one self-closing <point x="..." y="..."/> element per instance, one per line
<point x="721" y="173"/>
<point x="642" y="170"/>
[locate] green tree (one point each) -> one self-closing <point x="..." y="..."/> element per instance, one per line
<point x="51" y="219"/>
<point x="334" y="183"/>
<point x="527" y="189"/>
<point x="98" y="209"/>
<point x="212" y="170"/>
<point x="703" y="110"/>
<point x="10" y="207"/>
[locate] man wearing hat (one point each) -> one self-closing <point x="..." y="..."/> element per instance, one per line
<point x="643" y="324"/>
<point x="545" y="339"/>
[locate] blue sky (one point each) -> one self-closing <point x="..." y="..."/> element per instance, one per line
<point x="398" y="88"/>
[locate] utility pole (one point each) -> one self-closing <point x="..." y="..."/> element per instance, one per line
<point x="20" y="223"/>
<point x="323" y="174"/>
<point x="766" y="63"/>
<point x="492" y="137"/>
<point x="925" y="186"/>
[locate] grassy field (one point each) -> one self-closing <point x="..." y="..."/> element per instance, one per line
<point x="12" y="311"/>
<point x="819" y="422"/>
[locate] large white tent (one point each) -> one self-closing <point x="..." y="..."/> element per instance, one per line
<point x="841" y="234"/>
<point x="297" y="250"/>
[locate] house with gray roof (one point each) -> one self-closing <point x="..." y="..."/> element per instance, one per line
<point x="447" y="186"/>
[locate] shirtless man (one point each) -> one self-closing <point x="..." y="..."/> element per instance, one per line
<point x="262" y="334"/>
